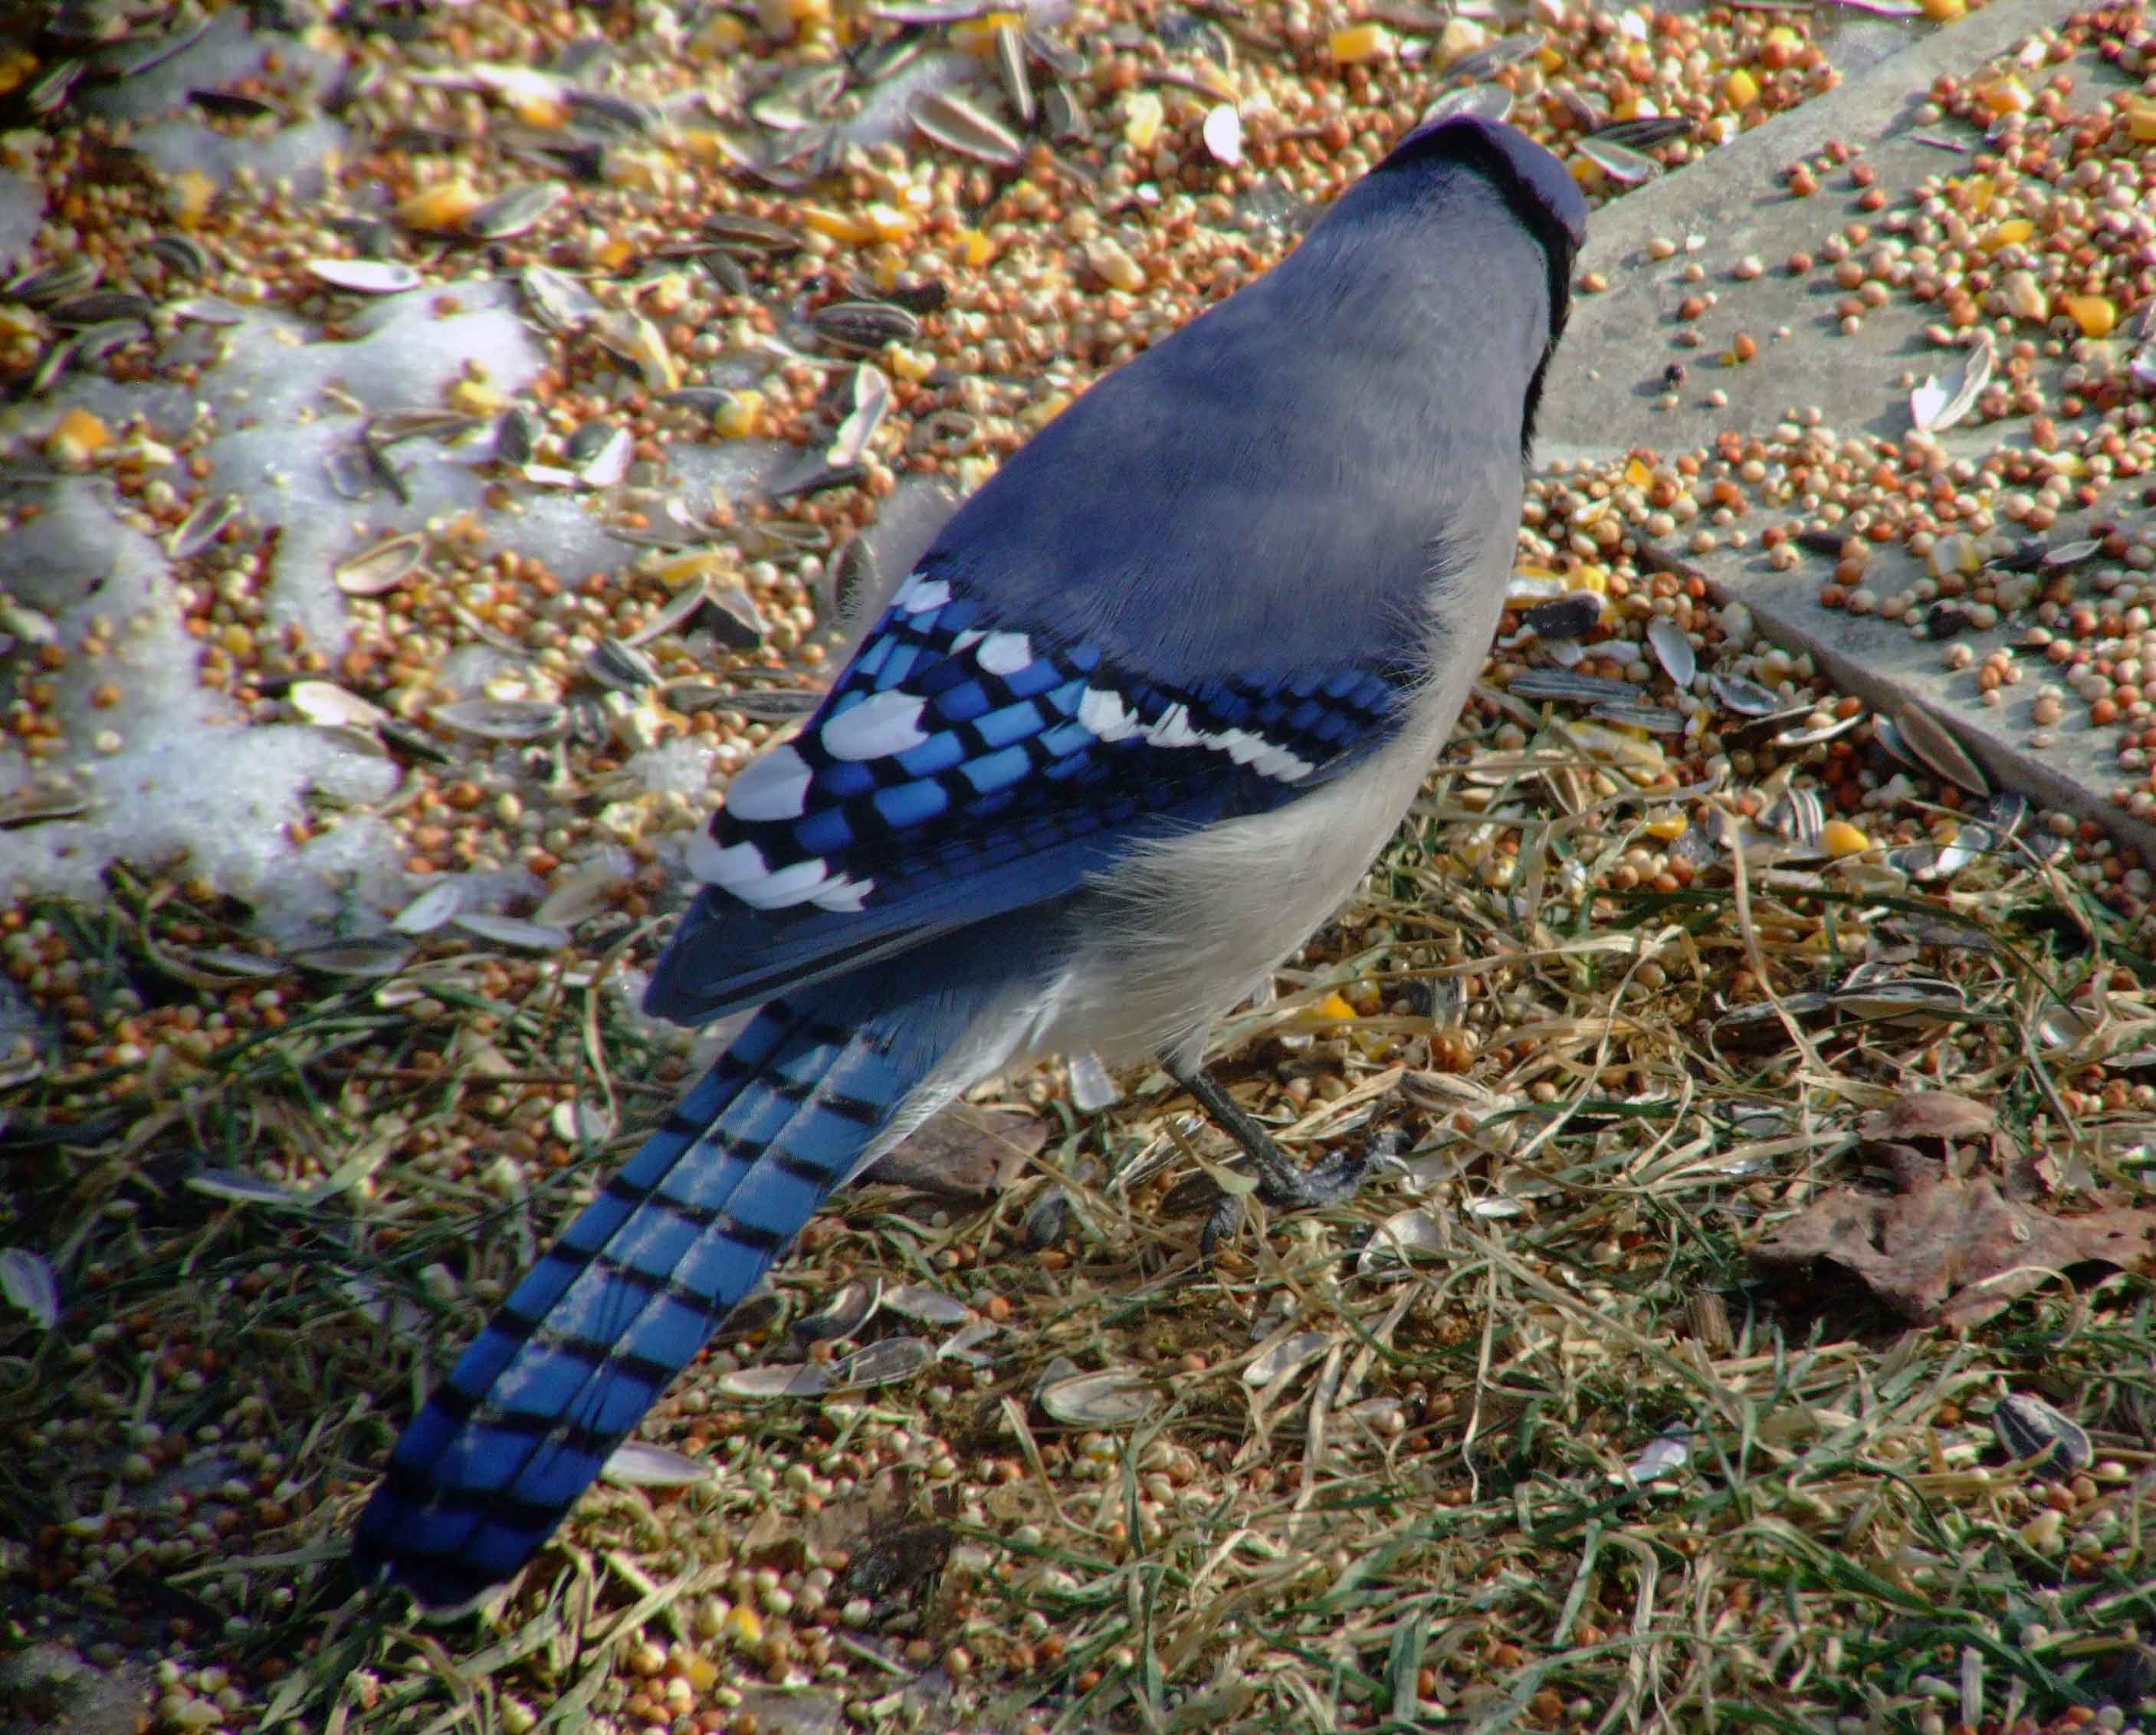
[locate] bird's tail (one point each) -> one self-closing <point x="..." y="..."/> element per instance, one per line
<point x="601" y="1326"/>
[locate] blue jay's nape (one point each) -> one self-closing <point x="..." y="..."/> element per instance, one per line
<point x="1135" y="726"/>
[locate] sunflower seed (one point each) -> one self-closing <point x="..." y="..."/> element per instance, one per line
<point x="1398" y="1238"/>
<point x="47" y="284"/>
<point x="327" y="706"/>
<point x="1813" y="732"/>
<point x="1644" y="132"/>
<point x="1672" y="649"/>
<point x="741" y="232"/>
<point x="516" y="212"/>
<point x="1934" y="407"/>
<point x="205" y="310"/>
<point x="1747" y="698"/>
<point x="383" y="567"/>
<point x="608" y="463"/>
<point x="801" y="97"/>
<point x="516" y="435"/>
<point x="1624" y="165"/>
<point x="1559" y="684"/>
<point x="95" y="342"/>
<point x="2072" y="554"/>
<point x="100" y="306"/>
<point x="503" y="719"/>
<point x="366" y="277"/>
<point x="513" y="931"/>
<point x="957" y="124"/>
<point x="182" y="255"/>
<point x="928" y="1307"/>
<point x="633" y="339"/>
<point x="1654" y="719"/>
<point x="1485" y="102"/>
<point x="1570" y="616"/>
<point x="355" y="957"/>
<point x="1933" y="743"/>
<point x="431" y="909"/>
<point x="1062" y="117"/>
<point x="1010" y="71"/>
<point x="2029" y="1428"/>
<point x="200" y="527"/>
<point x="865" y="326"/>
<point x="1111" y="1399"/>
<point x="424" y="422"/>
<point x="638" y="1464"/>
<point x="1506" y="51"/>
<point x="37" y="804"/>
<point x="28" y="1282"/>
<point x="558" y="300"/>
<point x="870" y="393"/>
<point x="842" y="1315"/>
<point x="882" y="1364"/>
<point x="618" y="664"/>
<point x="798" y="1379"/>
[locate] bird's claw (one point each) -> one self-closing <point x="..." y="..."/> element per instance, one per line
<point x="1327" y="1182"/>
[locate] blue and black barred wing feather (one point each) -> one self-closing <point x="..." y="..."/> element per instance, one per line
<point x="960" y="769"/>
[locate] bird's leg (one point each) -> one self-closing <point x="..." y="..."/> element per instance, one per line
<point x="1280" y="1181"/>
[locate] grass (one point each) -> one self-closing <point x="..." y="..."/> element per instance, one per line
<point x="1423" y="1519"/>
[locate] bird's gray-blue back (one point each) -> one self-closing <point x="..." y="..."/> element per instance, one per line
<point x="1317" y="434"/>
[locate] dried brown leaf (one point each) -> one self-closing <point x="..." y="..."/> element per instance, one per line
<point x="1929" y="1114"/>
<point x="964" y="1152"/>
<point x="1945" y="1251"/>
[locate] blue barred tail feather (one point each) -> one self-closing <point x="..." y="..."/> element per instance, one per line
<point x="633" y="1291"/>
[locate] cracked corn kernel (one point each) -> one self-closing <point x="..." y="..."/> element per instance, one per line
<point x="440" y="209"/>
<point x="1359" y="43"/>
<point x="77" y="437"/>
<point x="1143" y="115"/>
<point x="1667" y="827"/>
<point x="736" y="418"/>
<point x="2096" y="315"/>
<point x="1741" y="88"/>
<point x="1838" y="837"/>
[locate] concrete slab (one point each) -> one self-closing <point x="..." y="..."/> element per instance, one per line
<point x="1602" y="397"/>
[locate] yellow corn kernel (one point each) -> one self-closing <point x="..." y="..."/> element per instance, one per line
<point x="890" y="223"/>
<point x="971" y="247"/>
<point x="1783" y="37"/>
<point x="2010" y="233"/>
<point x="1637" y="475"/>
<point x="1667" y="827"/>
<point x="474" y="397"/>
<point x="192" y="192"/>
<point x="978" y="35"/>
<point x="1587" y="171"/>
<point x="908" y="364"/>
<point x="1143" y="116"/>
<point x="16" y="65"/>
<point x="1332" y="1006"/>
<point x="743" y="1625"/>
<point x="2004" y="96"/>
<point x="1359" y="43"/>
<point x="1589" y="578"/>
<point x="615" y="252"/>
<point x="1114" y="266"/>
<point x="838" y="225"/>
<point x="2096" y="315"/>
<point x="1940" y="11"/>
<point x="77" y="437"/>
<point x="1838" y="838"/>
<point x="1741" y="88"/>
<point x="2141" y="120"/>
<point x="736" y="418"/>
<point x="440" y="210"/>
<point x="701" y="1672"/>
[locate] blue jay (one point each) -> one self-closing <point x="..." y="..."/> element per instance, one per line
<point x="1134" y="726"/>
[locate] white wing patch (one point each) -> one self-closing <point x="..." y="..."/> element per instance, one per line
<point x="1004" y="653"/>
<point x="883" y="723"/>
<point x="919" y="595"/>
<point x="1105" y="713"/>
<point x="740" y="869"/>
<point x="774" y="786"/>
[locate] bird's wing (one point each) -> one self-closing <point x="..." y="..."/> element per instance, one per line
<point x="959" y="769"/>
